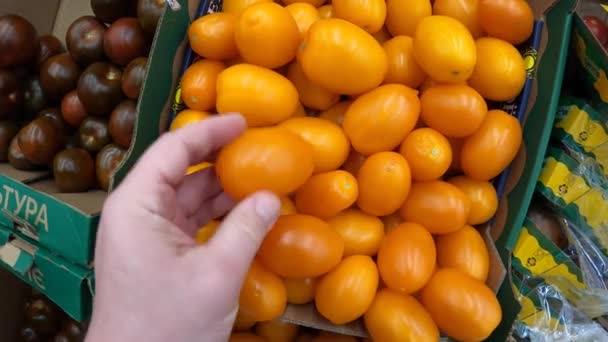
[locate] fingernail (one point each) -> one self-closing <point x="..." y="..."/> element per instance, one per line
<point x="267" y="207"/>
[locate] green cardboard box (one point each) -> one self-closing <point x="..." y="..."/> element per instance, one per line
<point x="69" y="286"/>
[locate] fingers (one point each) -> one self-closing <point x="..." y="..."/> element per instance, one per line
<point x="238" y="239"/>
<point x="196" y="189"/>
<point x="209" y="210"/>
<point x="167" y="160"/>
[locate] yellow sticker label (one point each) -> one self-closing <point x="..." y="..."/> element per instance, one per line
<point x="601" y="156"/>
<point x="601" y="85"/>
<point x="533" y="317"/>
<point x="605" y="7"/>
<point x="586" y="132"/>
<point x="563" y="183"/>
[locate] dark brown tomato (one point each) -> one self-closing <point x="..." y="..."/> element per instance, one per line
<point x="94" y="134"/>
<point x="33" y="96"/>
<point x="99" y="88"/>
<point x="148" y="14"/>
<point x="58" y="75"/>
<point x="49" y="46"/>
<point x="108" y="160"/>
<point x="109" y="11"/>
<point x="18" y="41"/>
<point x="43" y="316"/>
<point x="74" y="170"/>
<point x="72" y="109"/>
<point x="74" y="331"/>
<point x="84" y="40"/>
<point x="133" y="77"/>
<point x="54" y="114"/>
<point x="61" y="337"/>
<point x="17" y="159"/>
<point x="40" y="140"/>
<point x="8" y="130"/>
<point x="11" y="94"/>
<point x="122" y="123"/>
<point x="27" y="333"/>
<point x="125" y="40"/>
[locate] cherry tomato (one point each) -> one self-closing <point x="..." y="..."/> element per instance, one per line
<point x="403" y="16"/>
<point x="300" y="291"/>
<point x="362" y="233"/>
<point x="212" y="36"/>
<point x="428" y="154"/>
<point x="263" y="295"/>
<point x="277" y="331"/>
<point x="465" y="11"/>
<point x="237" y="6"/>
<point x="243" y="322"/>
<point x="484" y="200"/>
<point x="597" y="27"/>
<point x="304" y="14"/>
<point x="464" y="250"/>
<point x="367" y="14"/>
<point x="315" y="3"/>
<point x="326" y="194"/>
<point x="510" y="20"/>
<point x="336" y="112"/>
<point x="347" y="291"/>
<point x="198" y="84"/>
<point x="301" y="246"/>
<point x="402" y="67"/>
<point x="325" y="12"/>
<point x="311" y="95"/>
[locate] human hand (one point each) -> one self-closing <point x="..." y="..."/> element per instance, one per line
<point x="153" y="283"/>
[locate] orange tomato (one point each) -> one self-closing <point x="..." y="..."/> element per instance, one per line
<point x="300" y="111"/>
<point x="500" y="73"/>
<point x="245" y="337"/>
<point x="311" y="95"/>
<point x="198" y="84"/>
<point x="466" y="251"/>
<point x="277" y="331"/>
<point x="346" y="292"/>
<point x="406" y="258"/>
<point x="367" y="14"/>
<point x="333" y="337"/>
<point x="361" y="233"/>
<point x="206" y="232"/>
<point x="300" y="291"/>
<point x="301" y="246"/>
<point x="402" y="67"/>
<point x="395" y="316"/>
<point x="242" y="322"/>
<point x="263" y="295"/>
<point x="487" y="152"/>
<point x="403" y="16"/>
<point x="236" y="7"/>
<point x="336" y="112"/>
<point x="315" y="3"/>
<point x="354" y="162"/>
<point x="444" y="49"/>
<point x="287" y="206"/>
<point x="341" y="57"/>
<point x="510" y="20"/>
<point x="264" y="159"/>
<point x="465" y="11"/>
<point x="212" y="36"/>
<point x="456" y="144"/>
<point x="463" y="307"/>
<point x="428" y="154"/>
<point x="267" y="35"/>
<point x="262" y="96"/>
<point x="380" y="119"/>
<point x="384" y="183"/>
<point x="484" y="200"/>
<point x="455" y="110"/>
<point x="186" y="117"/>
<point x="325" y="12"/>
<point x="196" y="168"/>
<point x="329" y="144"/>
<point x="391" y="221"/>
<point x="440" y="207"/>
<point x="304" y="14"/>
<point x="382" y="36"/>
<point x="326" y="194"/>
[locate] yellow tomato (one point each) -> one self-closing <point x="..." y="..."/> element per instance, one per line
<point x="336" y="113"/>
<point x="325" y="12"/>
<point x="402" y="67"/>
<point x="341" y="57"/>
<point x="315" y="3"/>
<point x="186" y="117"/>
<point x="300" y="291"/>
<point x="346" y="292"/>
<point x="465" y="11"/>
<point x="391" y="221"/>
<point x="277" y="331"/>
<point x="367" y="14"/>
<point x="262" y="96"/>
<point x="287" y="206"/>
<point x="326" y="194"/>
<point x="464" y="250"/>
<point x="362" y="233"/>
<point x="267" y="35"/>
<point x="206" y="232"/>
<point x="484" y="200"/>
<point x="263" y="295"/>
<point x="243" y="322"/>
<point x="304" y="14"/>
<point x="500" y="73"/>
<point x="311" y="95"/>
<point x="444" y="49"/>
<point x="198" y="84"/>
<point x="404" y="15"/>
<point x="236" y="7"/>
<point x="382" y="36"/>
<point x="212" y="36"/>
<point x="300" y="111"/>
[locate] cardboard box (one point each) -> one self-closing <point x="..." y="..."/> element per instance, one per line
<point x="30" y="203"/>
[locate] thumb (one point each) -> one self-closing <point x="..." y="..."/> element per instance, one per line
<point x="241" y="233"/>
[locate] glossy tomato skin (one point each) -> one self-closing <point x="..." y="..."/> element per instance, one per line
<point x="300" y="291"/>
<point x="263" y="295"/>
<point x="304" y="14"/>
<point x="380" y="119"/>
<point x="440" y="207"/>
<point x="236" y="7"/>
<point x="243" y="322"/>
<point x="406" y="258"/>
<point x="311" y="95"/>
<point x="402" y="67"/>
<point x="341" y="57"/>
<point x="395" y="316"/>
<point x="336" y="113"/>
<point x="212" y="36"/>
<point x="464" y="250"/>
<point x="404" y="15"/>
<point x="301" y="246"/>
<point x="262" y="96"/>
<point x="276" y="331"/>
<point x="483" y="196"/>
<point x="444" y="48"/>
<point x="428" y="153"/>
<point x="597" y="27"/>
<point x="199" y="84"/>
<point x="487" y="152"/>
<point x="455" y="110"/>
<point x="329" y="143"/>
<point x="287" y="206"/>
<point x="187" y="117"/>
<point x="347" y="291"/>
<point x="325" y="11"/>
<point x="384" y="183"/>
<point x="362" y="233"/>
<point x="326" y="194"/>
<point x="509" y="20"/>
<point x="367" y="14"/>
<point x="464" y="308"/>
<point x="264" y="159"/>
<point x="465" y="11"/>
